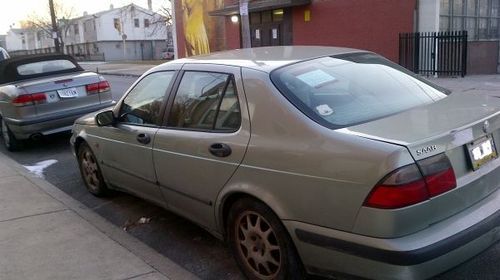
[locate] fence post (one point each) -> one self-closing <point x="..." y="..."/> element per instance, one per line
<point x="416" y="62"/>
<point x="464" y="53"/>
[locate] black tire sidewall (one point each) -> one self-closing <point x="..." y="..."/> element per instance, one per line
<point x="291" y="265"/>
<point x="13" y="144"/>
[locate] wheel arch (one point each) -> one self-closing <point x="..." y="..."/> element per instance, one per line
<point x="229" y="197"/>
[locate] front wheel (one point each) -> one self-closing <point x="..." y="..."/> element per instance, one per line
<point x="9" y="140"/>
<point x="91" y="173"/>
<point x="260" y="243"/>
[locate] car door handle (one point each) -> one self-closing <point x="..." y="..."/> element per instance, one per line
<point x="143" y="138"/>
<point x="220" y="150"/>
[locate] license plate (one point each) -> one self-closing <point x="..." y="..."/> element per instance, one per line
<point x="482" y="151"/>
<point x="68" y="93"/>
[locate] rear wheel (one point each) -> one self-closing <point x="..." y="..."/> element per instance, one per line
<point x="91" y="173"/>
<point x="260" y="243"/>
<point x="9" y="140"/>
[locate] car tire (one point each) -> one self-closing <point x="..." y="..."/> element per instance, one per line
<point x="9" y="140"/>
<point x="260" y="243"/>
<point x="91" y="172"/>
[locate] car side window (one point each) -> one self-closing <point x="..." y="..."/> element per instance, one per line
<point x="143" y="103"/>
<point x="206" y="101"/>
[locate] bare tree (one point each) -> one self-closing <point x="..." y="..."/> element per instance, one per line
<point x="41" y="22"/>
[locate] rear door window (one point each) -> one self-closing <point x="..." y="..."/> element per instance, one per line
<point x="341" y="92"/>
<point x="206" y="101"/>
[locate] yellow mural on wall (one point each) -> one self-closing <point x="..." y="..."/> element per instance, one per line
<point x="195" y="31"/>
<point x="200" y="30"/>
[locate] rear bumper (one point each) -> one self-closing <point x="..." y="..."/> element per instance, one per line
<point x="416" y="256"/>
<point x="54" y="123"/>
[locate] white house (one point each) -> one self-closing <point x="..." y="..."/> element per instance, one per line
<point x="125" y="33"/>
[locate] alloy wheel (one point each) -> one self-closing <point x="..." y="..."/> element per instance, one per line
<point x="90" y="170"/>
<point x="258" y="245"/>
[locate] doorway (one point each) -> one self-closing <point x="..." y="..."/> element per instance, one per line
<point x="271" y="28"/>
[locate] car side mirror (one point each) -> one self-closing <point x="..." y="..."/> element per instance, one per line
<point x="105" y="118"/>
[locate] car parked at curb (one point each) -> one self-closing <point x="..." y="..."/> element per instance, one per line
<point x="315" y="160"/>
<point x="168" y="53"/>
<point x="45" y="94"/>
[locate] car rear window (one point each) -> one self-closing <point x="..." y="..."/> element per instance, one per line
<point x="42" y="67"/>
<point x="352" y="89"/>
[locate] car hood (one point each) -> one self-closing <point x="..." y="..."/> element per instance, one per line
<point x="452" y="121"/>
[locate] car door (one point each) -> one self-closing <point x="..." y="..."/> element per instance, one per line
<point x="126" y="151"/>
<point x="204" y="139"/>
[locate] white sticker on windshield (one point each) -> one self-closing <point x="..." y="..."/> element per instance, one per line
<point x="316" y="78"/>
<point x="324" y="110"/>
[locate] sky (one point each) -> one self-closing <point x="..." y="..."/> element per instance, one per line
<point x="13" y="11"/>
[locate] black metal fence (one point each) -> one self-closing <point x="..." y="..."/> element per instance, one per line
<point x="434" y="53"/>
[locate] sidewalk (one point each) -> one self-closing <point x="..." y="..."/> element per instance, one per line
<point x="45" y="234"/>
<point x="121" y="69"/>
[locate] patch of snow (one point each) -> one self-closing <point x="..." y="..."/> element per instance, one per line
<point x="38" y="168"/>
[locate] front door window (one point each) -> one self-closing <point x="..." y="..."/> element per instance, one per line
<point x="143" y="104"/>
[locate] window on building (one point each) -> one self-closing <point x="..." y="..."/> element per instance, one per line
<point x="136" y="22"/>
<point x="75" y="28"/>
<point x="146" y="23"/>
<point x="481" y="18"/>
<point x="117" y="25"/>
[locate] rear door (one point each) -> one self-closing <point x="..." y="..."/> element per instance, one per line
<point x="126" y="147"/>
<point x="203" y="141"/>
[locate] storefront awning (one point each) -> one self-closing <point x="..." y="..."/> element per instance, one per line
<point x="258" y="5"/>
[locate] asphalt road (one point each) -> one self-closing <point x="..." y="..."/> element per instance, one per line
<point x="173" y="236"/>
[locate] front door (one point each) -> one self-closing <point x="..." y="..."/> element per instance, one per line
<point x="203" y="141"/>
<point x="271" y="28"/>
<point x="126" y="147"/>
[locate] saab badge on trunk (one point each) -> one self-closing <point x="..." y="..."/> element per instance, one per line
<point x="426" y="150"/>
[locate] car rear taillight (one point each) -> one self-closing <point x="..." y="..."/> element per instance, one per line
<point x="102" y="86"/>
<point x="438" y="173"/>
<point x="29" y="99"/>
<point x="413" y="184"/>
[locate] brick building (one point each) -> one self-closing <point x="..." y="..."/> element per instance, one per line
<point x="370" y="25"/>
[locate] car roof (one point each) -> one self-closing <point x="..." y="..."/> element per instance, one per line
<point x="264" y="58"/>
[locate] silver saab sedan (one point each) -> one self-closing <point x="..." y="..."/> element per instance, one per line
<point x="307" y="160"/>
<point x="45" y="94"/>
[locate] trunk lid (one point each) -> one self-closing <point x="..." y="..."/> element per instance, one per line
<point x="447" y="126"/>
<point x="63" y="92"/>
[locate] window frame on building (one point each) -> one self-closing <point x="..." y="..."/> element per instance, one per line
<point x="137" y="23"/>
<point x="470" y="16"/>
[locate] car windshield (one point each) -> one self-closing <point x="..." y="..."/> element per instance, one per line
<point x="41" y="67"/>
<point x="352" y="89"/>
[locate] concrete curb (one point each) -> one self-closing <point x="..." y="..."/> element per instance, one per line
<point x="163" y="265"/>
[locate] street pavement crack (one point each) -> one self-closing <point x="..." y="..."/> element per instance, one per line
<point x="34" y="215"/>
<point x="139" y="275"/>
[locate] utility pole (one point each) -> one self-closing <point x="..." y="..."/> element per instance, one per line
<point x="245" y="25"/>
<point x="54" y="26"/>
